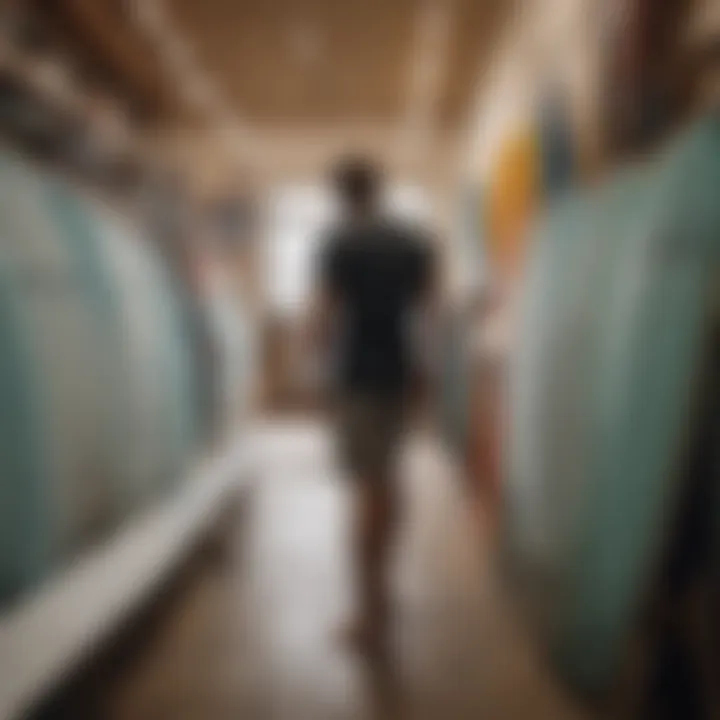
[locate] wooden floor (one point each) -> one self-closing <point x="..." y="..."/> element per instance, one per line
<point x="255" y="634"/>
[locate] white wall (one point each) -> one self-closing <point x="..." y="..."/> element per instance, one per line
<point x="555" y="42"/>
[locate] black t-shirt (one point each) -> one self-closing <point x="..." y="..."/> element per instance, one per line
<point x="376" y="272"/>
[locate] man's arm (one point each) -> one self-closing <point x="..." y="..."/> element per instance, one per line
<point x="321" y="311"/>
<point x="320" y="319"/>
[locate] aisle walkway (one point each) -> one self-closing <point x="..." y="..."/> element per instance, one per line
<point x="255" y="636"/>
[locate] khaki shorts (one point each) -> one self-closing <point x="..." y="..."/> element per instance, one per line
<point x="371" y="432"/>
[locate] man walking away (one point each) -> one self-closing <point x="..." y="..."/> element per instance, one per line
<point x="375" y="288"/>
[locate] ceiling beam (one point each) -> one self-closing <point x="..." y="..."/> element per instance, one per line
<point x="428" y="66"/>
<point x="198" y="89"/>
<point x="124" y="52"/>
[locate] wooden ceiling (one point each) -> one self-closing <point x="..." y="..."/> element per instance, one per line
<point x="286" y="62"/>
<point x="299" y="76"/>
<point x="294" y="62"/>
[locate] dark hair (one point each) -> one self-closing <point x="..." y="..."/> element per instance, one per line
<point x="357" y="181"/>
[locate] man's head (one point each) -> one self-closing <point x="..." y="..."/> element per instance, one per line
<point x="358" y="183"/>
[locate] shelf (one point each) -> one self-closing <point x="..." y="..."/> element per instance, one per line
<point x="43" y="639"/>
<point x="46" y="113"/>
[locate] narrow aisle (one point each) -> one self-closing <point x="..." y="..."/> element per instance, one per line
<point x="257" y="635"/>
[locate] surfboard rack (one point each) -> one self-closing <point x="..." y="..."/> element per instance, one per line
<point x="45" y="637"/>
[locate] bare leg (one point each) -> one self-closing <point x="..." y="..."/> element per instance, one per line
<point x="375" y="527"/>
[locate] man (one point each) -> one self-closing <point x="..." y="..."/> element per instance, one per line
<point x="374" y="289"/>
